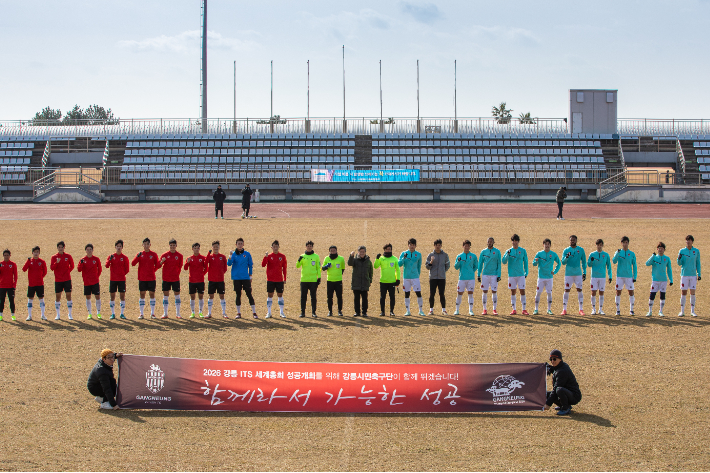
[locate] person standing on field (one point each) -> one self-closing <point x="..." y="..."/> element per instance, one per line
<point x="361" y="279"/>
<point x="246" y="200"/>
<point x="36" y="270"/>
<point x="334" y="265"/>
<point x="219" y="196"/>
<point x="560" y="198"/>
<point x="62" y="265"/>
<point x="438" y="264"/>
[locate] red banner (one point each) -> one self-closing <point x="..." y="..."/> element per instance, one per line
<point x="150" y="382"/>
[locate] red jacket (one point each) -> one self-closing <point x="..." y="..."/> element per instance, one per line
<point x="62" y="265"/>
<point x="275" y="267"/>
<point x="198" y="268"/>
<point x="148" y="263"/>
<point x="172" y="266"/>
<point x="118" y="265"/>
<point x="37" y="271"/>
<point x="8" y="275"/>
<point x="90" y="269"/>
<point x="216" y="267"/>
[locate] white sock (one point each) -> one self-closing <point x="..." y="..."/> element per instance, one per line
<point x="178" y="303"/>
<point x="632" y="299"/>
<point x="269" y="302"/>
<point x="56" y="306"/>
<point x="661" y="303"/>
<point x="406" y="303"/>
<point x="537" y="300"/>
<point x="141" y="306"/>
<point x="41" y="306"/>
<point x="201" y="305"/>
<point x="253" y="309"/>
<point x="549" y="301"/>
<point x="281" y="304"/>
<point x="458" y="302"/>
<point x="601" y="301"/>
<point x="166" y="301"/>
<point x="112" y="305"/>
<point x="512" y="301"/>
<point x="495" y="300"/>
<point x="98" y="306"/>
<point x="420" y="300"/>
<point x="524" y="301"/>
<point x="88" y="305"/>
<point x="123" y="307"/>
<point x="594" y="303"/>
<point x="484" y="299"/>
<point x="565" y="299"/>
<point x="470" y="302"/>
<point x="152" y="306"/>
<point x="209" y="306"/>
<point x="70" y="307"/>
<point x="192" y="305"/>
<point x="692" y="303"/>
<point x="239" y="309"/>
<point x="29" y="308"/>
<point x="682" y="304"/>
<point x="224" y="306"/>
<point x="650" y="305"/>
<point x="580" y="299"/>
<point x="617" y="301"/>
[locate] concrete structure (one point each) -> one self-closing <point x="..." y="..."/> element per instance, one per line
<point x="592" y="111"/>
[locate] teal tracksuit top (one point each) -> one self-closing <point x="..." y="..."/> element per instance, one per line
<point x="600" y="262"/>
<point x="489" y="262"/>
<point x="625" y="262"/>
<point x="411" y="264"/>
<point x="660" y="265"/>
<point x="689" y="261"/>
<point x="517" y="261"/>
<point x="575" y="261"/>
<point x="545" y="260"/>
<point x="466" y="263"/>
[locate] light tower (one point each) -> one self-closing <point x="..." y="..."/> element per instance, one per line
<point x="203" y="83"/>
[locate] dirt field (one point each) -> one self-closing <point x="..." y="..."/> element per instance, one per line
<point x="644" y="380"/>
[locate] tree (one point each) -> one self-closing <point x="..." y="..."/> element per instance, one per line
<point x="502" y="114"/>
<point x="526" y="119"/>
<point x="47" y="117"/>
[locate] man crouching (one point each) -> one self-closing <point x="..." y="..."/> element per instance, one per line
<point x="565" y="390"/>
<point x="102" y="383"/>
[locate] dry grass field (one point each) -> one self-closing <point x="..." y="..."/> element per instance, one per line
<point x="644" y="380"/>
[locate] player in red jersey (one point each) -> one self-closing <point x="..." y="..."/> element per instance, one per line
<point x="8" y="283"/>
<point x="118" y="264"/>
<point x="172" y="265"/>
<point x="90" y="269"/>
<point x="197" y="265"/>
<point x="36" y="270"/>
<point x="148" y="263"/>
<point x="275" y="264"/>
<point x="216" y="267"/>
<point x="62" y="264"/>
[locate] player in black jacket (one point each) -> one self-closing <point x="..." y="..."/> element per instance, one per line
<point x="565" y="390"/>
<point x="102" y="383"/>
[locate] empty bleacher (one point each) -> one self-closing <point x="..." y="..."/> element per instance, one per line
<point x="17" y="156"/>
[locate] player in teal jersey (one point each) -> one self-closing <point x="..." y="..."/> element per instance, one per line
<point x="466" y="263"/>
<point x="626" y="272"/>
<point x="411" y="263"/>
<point x="545" y="260"/>
<point x="660" y="266"/>
<point x="689" y="261"/>
<point x="575" y="262"/>
<point x="600" y="262"/>
<point x="489" y="263"/>
<point x="517" y="260"/>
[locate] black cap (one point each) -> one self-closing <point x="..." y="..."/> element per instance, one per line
<point x="219" y="186"/>
<point x="556" y="353"/>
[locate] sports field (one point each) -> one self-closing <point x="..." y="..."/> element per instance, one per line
<point x="644" y="380"/>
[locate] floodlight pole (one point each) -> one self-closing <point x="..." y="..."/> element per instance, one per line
<point x="418" y="120"/>
<point x="456" y="120"/>
<point x="204" y="66"/>
<point x="234" y="127"/>
<point x="345" y="126"/>
<point x="382" y="125"/>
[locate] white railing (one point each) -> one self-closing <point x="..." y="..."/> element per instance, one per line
<point x="660" y="126"/>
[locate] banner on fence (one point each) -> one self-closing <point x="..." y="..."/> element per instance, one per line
<point x="350" y="175"/>
<point x="149" y="382"/>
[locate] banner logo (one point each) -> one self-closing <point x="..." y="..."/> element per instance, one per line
<point x="155" y="379"/>
<point x="502" y="388"/>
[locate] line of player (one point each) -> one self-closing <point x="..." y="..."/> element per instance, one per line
<point x="407" y="268"/>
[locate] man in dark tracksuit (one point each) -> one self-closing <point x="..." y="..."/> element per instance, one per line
<point x="219" y="196"/>
<point x="102" y="383"/>
<point x="361" y="279"/>
<point x="565" y="390"/>
<point x="560" y="198"/>
<point x="246" y="200"/>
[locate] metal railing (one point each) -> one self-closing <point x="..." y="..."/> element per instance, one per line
<point x="681" y="155"/>
<point x="660" y="126"/>
<point x="631" y="178"/>
<point x="62" y="178"/>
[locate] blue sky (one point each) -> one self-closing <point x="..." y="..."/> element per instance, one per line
<point x="142" y="58"/>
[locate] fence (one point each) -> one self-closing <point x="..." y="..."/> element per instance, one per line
<point x="628" y="178"/>
<point x="656" y="127"/>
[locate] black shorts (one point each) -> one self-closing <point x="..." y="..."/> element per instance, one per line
<point x="240" y="284"/>
<point x="196" y="287"/>
<point x="217" y="287"/>
<point x="116" y="286"/>
<point x="171" y="286"/>
<point x="94" y="289"/>
<point x="246" y="205"/>
<point x="62" y="286"/>
<point x="275" y="286"/>
<point x="35" y="290"/>
<point x="146" y="286"/>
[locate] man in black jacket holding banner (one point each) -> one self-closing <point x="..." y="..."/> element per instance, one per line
<point x="102" y="383"/>
<point x="565" y="390"/>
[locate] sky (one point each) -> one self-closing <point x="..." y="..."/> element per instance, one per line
<point x="142" y="58"/>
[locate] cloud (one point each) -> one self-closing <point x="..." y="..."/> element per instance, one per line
<point x="505" y="32"/>
<point x="426" y="13"/>
<point x="188" y="41"/>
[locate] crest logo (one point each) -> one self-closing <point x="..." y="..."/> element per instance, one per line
<point x="504" y="385"/>
<point x="154" y="379"/>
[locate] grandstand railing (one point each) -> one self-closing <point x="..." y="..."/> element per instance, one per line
<point x="630" y="178"/>
<point x="681" y="155"/>
<point x="660" y="126"/>
<point x="62" y="178"/>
